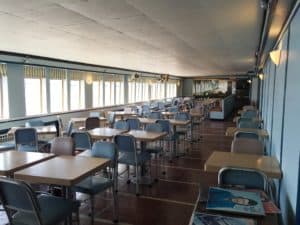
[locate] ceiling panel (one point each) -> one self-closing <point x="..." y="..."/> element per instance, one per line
<point x="183" y="38"/>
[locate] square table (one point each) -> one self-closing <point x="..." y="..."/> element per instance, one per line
<point x="105" y="133"/>
<point x="62" y="170"/>
<point x="267" y="164"/>
<point x="123" y="114"/>
<point x="12" y="161"/>
<point x="261" y="132"/>
<point x="142" y="135"/>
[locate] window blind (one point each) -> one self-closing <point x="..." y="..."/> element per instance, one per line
<point x="3" y="69"/>
<point x="35" y="72"/>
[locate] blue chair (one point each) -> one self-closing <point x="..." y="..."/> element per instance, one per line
<point x="170" y="139"/>
<point x="247" y="145"/>
<point x="246" y="178"/>
<point x="155" y="147"/>
<point x="243" y="134"/>
<point x="6" y="141"/>
<point x="82" y="140"/>
<point x="94" y="114"/>
<point x="34" y="123"/>
<point x="133" y="124"/>
<point x="26" y="140"/>
<point x="173" y="109"/>
<point x="69" y="129"/>
<point x="155" y="115"/>
<point x="249" y="114"/>
<point x="94" y="185"/>
<point x="146" y="110"/>
<point x="121" y="125"/>
<point x="111" y="117"/>
<point x="183" y="130"/>
<point x="24" y="206"/>
<point x="249" y="124"/>
<point x="130" y="156"/>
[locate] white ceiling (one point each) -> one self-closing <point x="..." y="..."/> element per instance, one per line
<point x="178" y="37"/>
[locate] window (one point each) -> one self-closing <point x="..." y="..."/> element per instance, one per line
<point x="35" y="90"/>
<point x="77" y="90"/>
<point x="58" y="90"/>
<point x="109" y="89"/>
<point x="145" y="92"/>
<point x="4" y="111"/>
<point x="119" y="85"/>
<point x="158" y="90"/>
<point x="98" y="91"/>
<point x="171" y="89"/>
<point x="131" y="91"/>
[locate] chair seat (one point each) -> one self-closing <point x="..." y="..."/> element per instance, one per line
<point x="9" y="145"/>
<point x="128" y="158"/>
<point x="93" y="185"/>
<point x="53" y="210"/>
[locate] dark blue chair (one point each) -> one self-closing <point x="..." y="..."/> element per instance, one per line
<point x="121" y="125"/>
<point x="111" y="117"/>
<point x="243" y="134"/>
<point x="155" y="115"/>
<point x="183" y="131"/>
<point x="171" y="138"/>
<point x="24" y="206"/>
<point x="34" y="123"/>
<point x="26" y="140"/>
<point x="155" y="147"/>
<point x="94" y="185"/>
<point x="249" y="114"/>
<point x="82" y="140"/>
<point x="133" y="124"/>
<point x="249" y="124"/>
<point x="130" y="156"/>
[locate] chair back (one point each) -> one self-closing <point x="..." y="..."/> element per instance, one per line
<point x="173" y="109"/>
<point x="34" y="123"/>
<point x="161" y="105"/>
<point x="121" y="125"/>
<point x="125" y="143"/>
<point x="133" y="123"/>
<point x="69" y="128"/>
<point x="247" y="178"/>
<point x="19" y="196"/>
<point x="26" y="137"/>
<point x="182" y="116"/>
<point x="104" y="149"/>
<point x="155" y="115"/>
<point x="154" y="127"/>
<point x="146" y="110"/>
<point x="111" y="118"/>
<point x="82" y="140"/>
<point x="243" y="134"/>
<point x="165" y="124"/>
<point x="62" y="146"/>
<point x="249" y="114"/>
<point x="91" y="123"/>
<point x="248" y="124"/>
<point x="247" y="145"/>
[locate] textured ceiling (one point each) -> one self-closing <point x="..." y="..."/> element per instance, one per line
<point x="178" y="37"/>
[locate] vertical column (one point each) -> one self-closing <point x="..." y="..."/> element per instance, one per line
<point x="16" y="90"/>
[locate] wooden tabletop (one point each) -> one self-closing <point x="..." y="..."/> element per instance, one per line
<point x="143" y="135"/>
<point x="40" y="129"/>
<point x="11" y="161"/>
<point x="179" y="122"/>
<point x="147" y="120"/>
<point x="105" y="132"/>
<point x="123" y="113"/>
<point x="261" y="132"/>
<point x="196" y="114"/>
<point x="62" y="170"/>
<point x="267" y="164"/>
